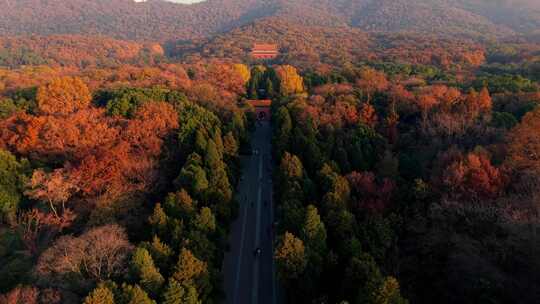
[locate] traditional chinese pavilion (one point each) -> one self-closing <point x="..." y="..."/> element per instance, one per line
<point x="264" y="51"/>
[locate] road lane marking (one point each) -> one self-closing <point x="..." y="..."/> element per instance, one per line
<point x="238" y="266"/>
<point x="255" y="290"/>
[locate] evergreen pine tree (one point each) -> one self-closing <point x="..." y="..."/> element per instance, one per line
<point x="200" y="141"/>
<point x="269" y="87"/>
<point x="282" y="135"/>
<point x="188" y="267"/>
<point x="180" y="204"/>
<point x="219" y="180"/>
<point x="11" y="185"/>
<point x="158" y="220"/>
<point x="212" y="157"/>
<point x="142" y="267"/>
<point x="100" y="295"/>
<point x="314" y="232"/>
<point x="134" y="295"/>
<point x="388" y="293"/>
<point x="177" y="293"/>
<point x="205" y="220"/>
<point x="230" y="145"/>
<point x="161" y="253"/>
<point x="218" y="140"/>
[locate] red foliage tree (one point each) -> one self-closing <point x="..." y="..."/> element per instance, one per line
<point x="31" y="295"/>
<point x="21" y="294"/>
<point x="371" y="194"/>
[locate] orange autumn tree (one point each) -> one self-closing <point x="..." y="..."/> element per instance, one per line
<point x="484" y="101"/>
<point x="473" y="177"/>
<point x="20" y="132"/>
<point x="372" y="81"/>
<point x="63" y="95"/>
<point x="368" y="115"/>
<point x="129" y="163"/>
<point x="435" y="97"/>
<point x="58" y="137"/>
<point x="152" y="122"/>
<point x="524" y="144"/>
<point x="103" y="157"/>
<point x="478" y="104"/>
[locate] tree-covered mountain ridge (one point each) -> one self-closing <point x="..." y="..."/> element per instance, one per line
<point x="162" y="21"/>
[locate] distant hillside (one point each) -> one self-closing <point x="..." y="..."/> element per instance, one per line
<point x="126" y="19"/>
<point x="313" y="47"/>
<point x="74" y="50"/>
<point x="426" y="17"/>
<point x="160" y="20"/>
<point x="299" y="43"/>
<point x="519" y="15"/>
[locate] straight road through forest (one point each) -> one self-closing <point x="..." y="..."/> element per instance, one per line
<point x="250" y="279"/>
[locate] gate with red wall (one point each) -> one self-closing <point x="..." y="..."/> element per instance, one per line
<point x="262" y="108"/>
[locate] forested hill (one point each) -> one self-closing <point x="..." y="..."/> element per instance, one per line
<point x="311" y="47"/>
<point x="161" y="20"/>
<point x="126" y="19"/>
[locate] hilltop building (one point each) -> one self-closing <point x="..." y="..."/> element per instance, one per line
<point x="264" y="51"/>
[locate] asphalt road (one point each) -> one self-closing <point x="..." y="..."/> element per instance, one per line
<point x="250" y="279"/>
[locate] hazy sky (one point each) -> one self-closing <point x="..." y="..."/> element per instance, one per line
<point x="186" y="1"/>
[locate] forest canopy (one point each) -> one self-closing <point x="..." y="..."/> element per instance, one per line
<point x="402" y="161"/>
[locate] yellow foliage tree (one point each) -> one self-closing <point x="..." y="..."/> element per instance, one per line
<point x="290" y="257"/>
<point x="243" y="71"/>
<point x="290" y="81"/>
